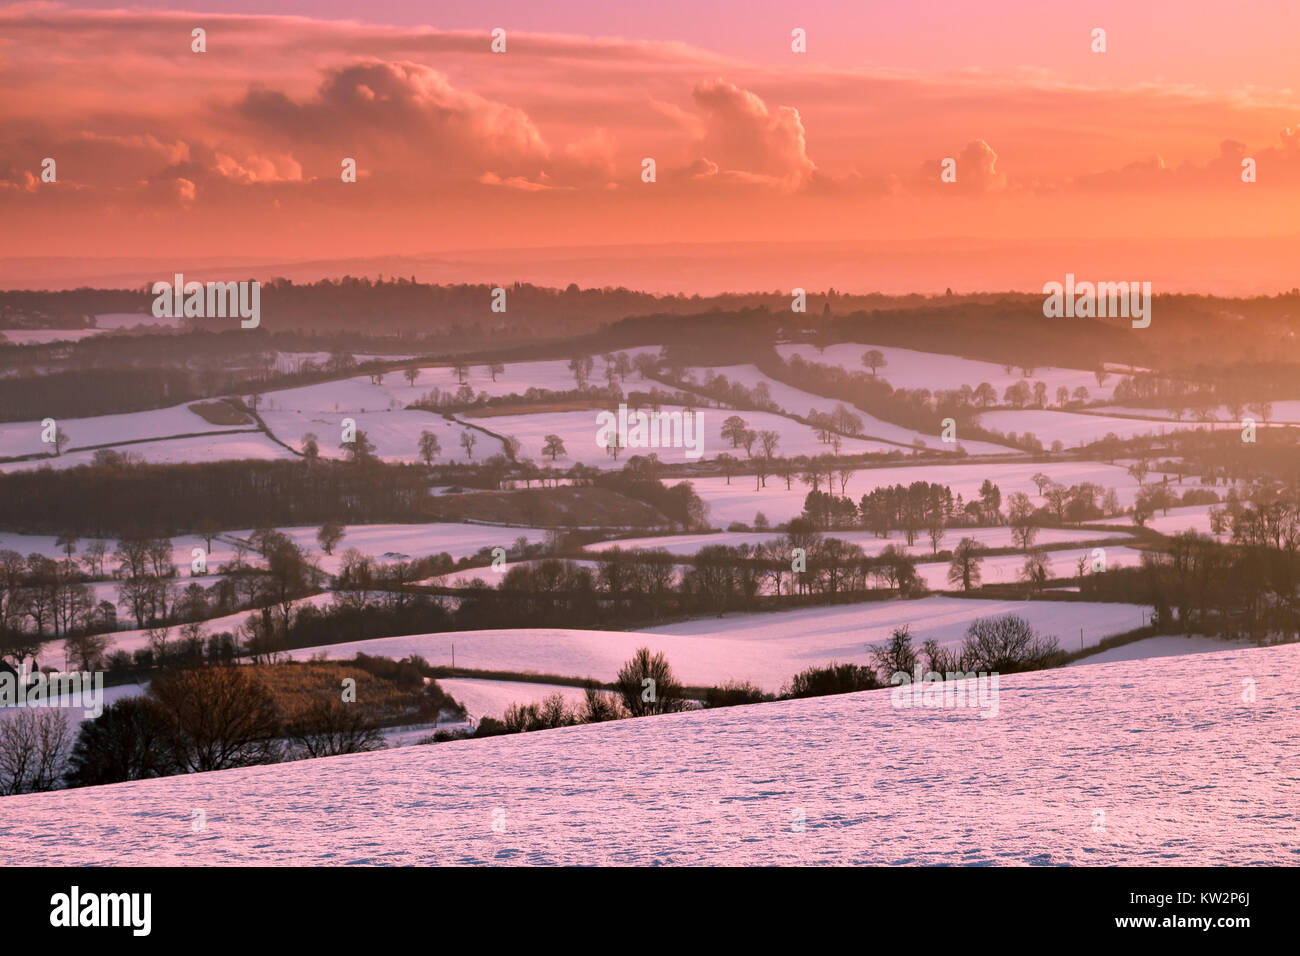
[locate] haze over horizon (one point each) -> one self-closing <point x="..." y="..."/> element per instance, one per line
<point x="926" y="266"/>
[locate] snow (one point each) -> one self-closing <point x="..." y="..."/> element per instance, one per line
<point x="460" y="540"/>
<point x="1000" y="537"/>
<point x="1189" y="518"/>
<point x="132" y="320"/>
<point x="1184" y="771"/>
<point x="491" y="576"/>
<point x="738" y="501"/>
<point x="75" y="704"/>
<point x="44" y="336"/>
<point x="519" y="377"/>
<point x="242" y="445"/>
<point x="1005" y="568"/>
<point x="995" y="569"/>
<point x="1073" y="429"/>
<point x="24" y="438"/>
<point x="909" y="368"/>
<point x="490" y="698"/>
<point x="767" y="648"/>
<point x="395" y="434"/>
<point x="1283" y="411"/>
<point x="358" y="393"/>
<point x="798" y="402"/>
<point x="137" y="639"/>
<point x="1163" y="646"/>
<point x="579" y="430"/>
<point x="292" y="362"/>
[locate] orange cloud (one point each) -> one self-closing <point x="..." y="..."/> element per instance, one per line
<point x="749" y="142"/>
<point x="403" y="105"/>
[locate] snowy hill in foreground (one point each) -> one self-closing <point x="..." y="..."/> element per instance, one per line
<point x="1156" y="761"/>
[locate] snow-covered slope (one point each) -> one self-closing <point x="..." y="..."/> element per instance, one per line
<point x="1159" y="761"/>
<point x="766" y="648"/>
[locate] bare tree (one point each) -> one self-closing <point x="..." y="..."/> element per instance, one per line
<point x="329" y="727"/>
<point x="225" y="717"/>
<point x="34" y="746"/>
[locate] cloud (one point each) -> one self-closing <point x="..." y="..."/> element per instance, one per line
<point x="976" y="171"/>
<point x="1274" y="166"/>
<point x="750" y="142"/>
<point x="520" y="183"/>
<point x="376" y="107"/>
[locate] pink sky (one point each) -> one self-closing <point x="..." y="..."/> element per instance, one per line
<point x="162" y="152"/>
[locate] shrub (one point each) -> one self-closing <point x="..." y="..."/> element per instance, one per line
<point x="599" y="706"/>
<point x="647" y="685"/>
<point x="489" y="727"/>
<point x="831" y="679"/>
<point x="733" y="693"/>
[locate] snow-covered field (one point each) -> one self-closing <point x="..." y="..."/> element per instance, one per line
<point x="798" y="402"/>
<point x="579" y="432"/>
<point x="1073" y="429"/>
<point x="1163" y="646"/>
<point x="908" y="368"/>
<point x="241" y="445"/>
<point x="1283" y="411"/>
<point x="996" y="569"/>
<point x="137" y="639"/>
<point x="75" y="704"/>
<point x="24" y="438"/>
<point x="388" y="542"/>
<point x="490" y="698"/>
<point x="133" y="320"/>
<point x="870" y="544"/>
<point x="395" y="433"/>
<point x="1006" y="568"/>
<point x="767" y="648"/>
<point x="832" y="780"/>
<point x="490" y="576"/>
<point x="519" y="377"/>
<point x="358" y="393"/>
<point x="43" y="336"/>
<point x="1189" y="518"/>
<point x="384" y="542"/>
<point x="738" y="501"/>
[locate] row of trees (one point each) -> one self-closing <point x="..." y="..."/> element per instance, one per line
<point x="913" y="509"/>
